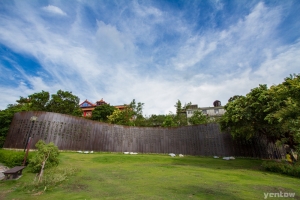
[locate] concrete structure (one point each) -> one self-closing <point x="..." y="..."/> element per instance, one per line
<point x="213" y="112"/>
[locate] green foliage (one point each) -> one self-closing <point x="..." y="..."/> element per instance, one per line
<point x="6" y="117"/>
<point x="155" y="120"/>
<point x="198" y="118"/>
<point x="178" y="106"/>
<point x="282" y="168"/>
<point x="101" y="113"/>
<point x="36" y="102"/>
<point x="132" y="115"/>
<point x="180" y="118"/>
<point x="170" y="121"/>
<point x="11" y="158"/>
<point x="52" y="177"/>
<point x="64" y="102"/>
<point x="120" y="117"/>
<point x="273" y="112"/>
<point x="44" y="151"/>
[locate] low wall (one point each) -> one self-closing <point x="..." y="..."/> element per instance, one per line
<point x="74" y="133"/>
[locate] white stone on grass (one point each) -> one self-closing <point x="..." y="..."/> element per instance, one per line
<point x="229" y="158"/>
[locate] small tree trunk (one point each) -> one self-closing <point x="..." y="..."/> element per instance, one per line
<point x="43" y="165"/>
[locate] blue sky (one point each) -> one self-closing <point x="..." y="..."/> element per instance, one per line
<point x="153" y="51"/>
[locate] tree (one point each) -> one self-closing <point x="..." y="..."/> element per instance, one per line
<point x="170" y="121"/>
<point x="245" y="115"/>
<point x="118" y="117"/>
<point x="178" y="107"/>
<point x="285" y="110"/>
<point x="101" y="113"/>
<point x="131" y="115"/>
<point x="198" y="118"/>
<point x="6" y="117"/>
<point x="180" y="117"/>
<point x="155" y="120"/>
<point x="36" y="102"/>
<point x="136" y="113"/>
<point x="272" y="112"/>
<point x="64" y="102"/>
<point x="45" y="157"/>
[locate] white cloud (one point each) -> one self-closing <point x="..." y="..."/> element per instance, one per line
<point x="131" y="55"/>
<point x="54" y="10"/>
<point x="193" y="52"/>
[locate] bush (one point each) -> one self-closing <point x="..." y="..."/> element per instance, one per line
<point x="11" y="158"/>
<point x="46" y="152"/>
<point x="282" y="168"/>
<point x="52" y="177"/>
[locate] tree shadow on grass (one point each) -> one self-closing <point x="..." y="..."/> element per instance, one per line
<point x="205" y="192"/>
<point x="211" y="163"/>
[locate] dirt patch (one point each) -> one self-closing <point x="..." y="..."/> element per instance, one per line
<point x="3" y="193"/>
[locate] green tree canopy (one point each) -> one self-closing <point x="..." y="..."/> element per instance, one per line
<point x="6" y="117"/>
<point x="170" y="121"/>
<point x="64" y="102"/>
<point x="272" y="112"/>
<point x="198" y="118"/>
<point x="101" y="113"/>
<point x="46" y="152"/>
<point x="180" y="118"/>
<point x="132" y="115"/>
<point x="118" y="117"/>
<point x="36" y="102"/>
<point x="155" y="120"/>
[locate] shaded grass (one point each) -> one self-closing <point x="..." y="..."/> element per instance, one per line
<point x="157" y="176"/>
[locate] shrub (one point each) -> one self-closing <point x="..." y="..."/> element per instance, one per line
<point x="46" y="152"/>
<point x="11" y="158"/>
<point x="52" y="177"/>
<point x="282" y="168"/>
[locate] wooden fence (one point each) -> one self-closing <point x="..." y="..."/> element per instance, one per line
<point x="74" y="133"/>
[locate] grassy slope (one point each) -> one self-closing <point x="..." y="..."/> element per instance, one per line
<point x="118" y="176"/>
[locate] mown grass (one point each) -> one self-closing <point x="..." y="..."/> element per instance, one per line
<point x="155" y="176"/>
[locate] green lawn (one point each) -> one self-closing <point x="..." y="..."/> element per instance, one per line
<point x="156" y="176"/>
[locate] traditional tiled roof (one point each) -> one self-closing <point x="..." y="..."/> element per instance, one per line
<point x="86" y="103"/>
<point x="101" y="100"/>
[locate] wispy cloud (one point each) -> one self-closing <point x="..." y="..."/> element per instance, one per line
<point x="152" y="52"/>
<point x="54" y="10"/>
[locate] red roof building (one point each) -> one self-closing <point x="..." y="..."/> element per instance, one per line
<point x="87" y="107"/>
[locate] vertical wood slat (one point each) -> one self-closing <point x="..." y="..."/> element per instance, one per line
<point x="74" y="133"/>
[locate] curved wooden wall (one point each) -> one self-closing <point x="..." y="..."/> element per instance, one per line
<point x="74" y="133"/>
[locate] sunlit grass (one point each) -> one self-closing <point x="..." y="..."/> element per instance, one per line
<point x="156" y="176"/>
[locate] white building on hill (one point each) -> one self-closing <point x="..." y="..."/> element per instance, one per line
<point x="213" y="112"/>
